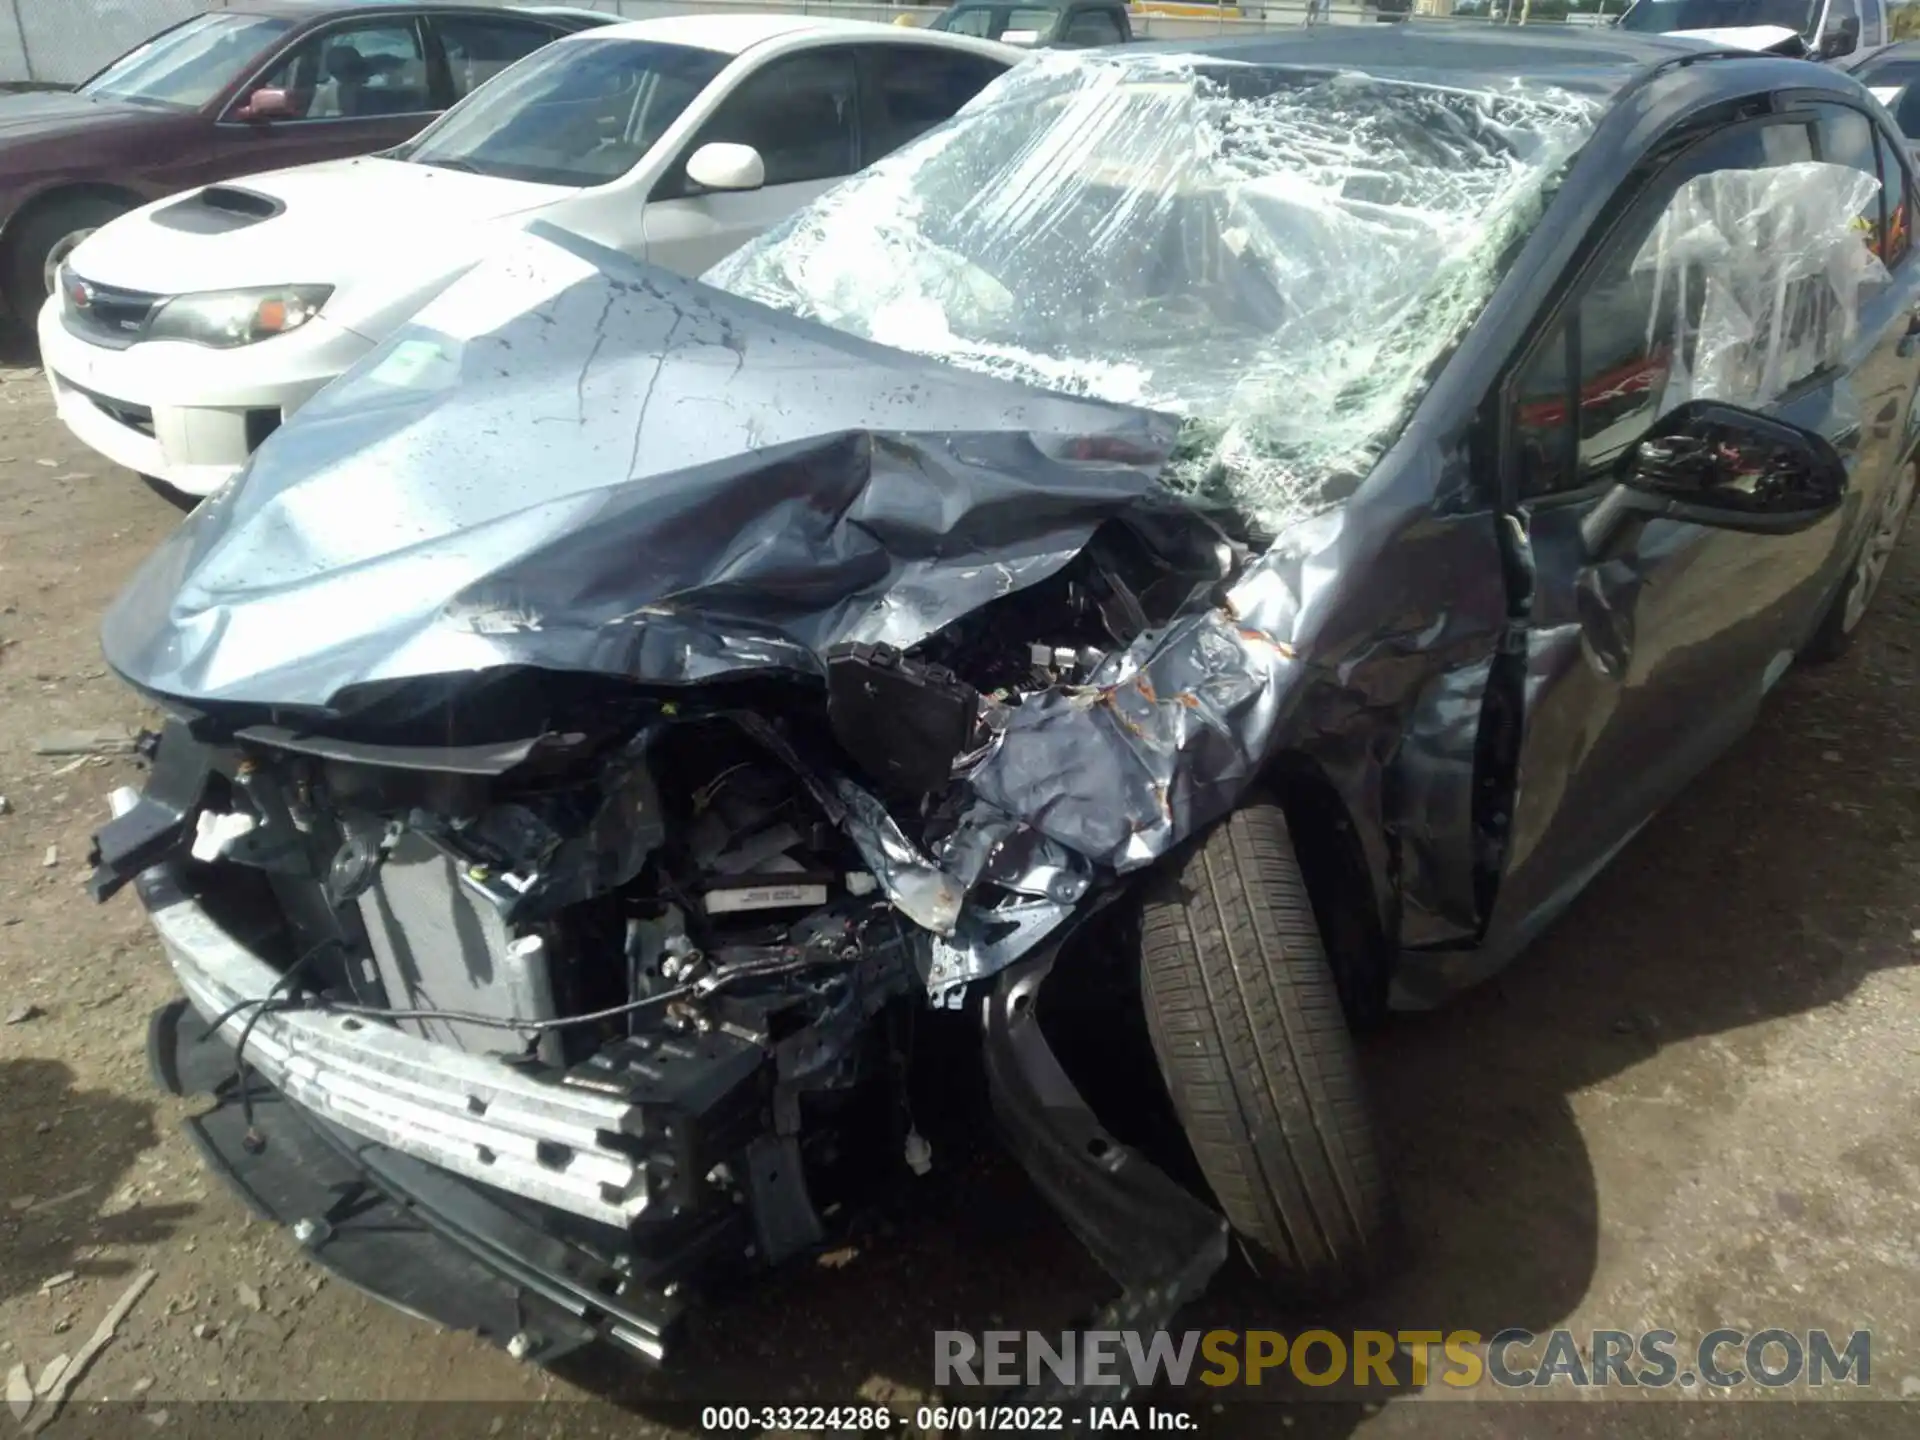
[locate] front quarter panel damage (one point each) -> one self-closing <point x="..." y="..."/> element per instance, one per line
<point x="671" y="556"/>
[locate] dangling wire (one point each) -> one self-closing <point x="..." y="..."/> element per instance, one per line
<point x="253" y="1141"/>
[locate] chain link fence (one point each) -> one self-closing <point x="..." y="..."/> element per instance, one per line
<point x="62" y="42"/>
<point x="50" y="43"/>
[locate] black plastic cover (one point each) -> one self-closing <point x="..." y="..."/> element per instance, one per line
<point x="903" y="721"/>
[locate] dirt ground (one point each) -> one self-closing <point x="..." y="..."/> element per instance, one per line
<point x="1696" y="1103"/>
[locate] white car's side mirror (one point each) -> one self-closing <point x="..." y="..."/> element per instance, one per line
<point x="721" y="165"/>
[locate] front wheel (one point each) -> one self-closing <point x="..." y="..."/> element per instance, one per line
<point x="1849" y="608"/>
<point x="1247" y="1026"/>
<point x="43" y="240"/>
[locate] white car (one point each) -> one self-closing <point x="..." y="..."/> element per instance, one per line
<point x="183" y="333"/>
<point x="1820" y="29"/>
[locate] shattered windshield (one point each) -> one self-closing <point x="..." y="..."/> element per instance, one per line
<point x="1277" y="255"/>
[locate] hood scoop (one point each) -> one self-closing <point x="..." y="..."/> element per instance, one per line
<point x="217" y="210"/>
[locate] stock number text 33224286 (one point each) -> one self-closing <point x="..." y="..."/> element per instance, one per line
<point x="866" y="1419"/>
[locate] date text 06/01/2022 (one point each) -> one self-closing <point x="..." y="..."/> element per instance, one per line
<point x="987" y="1419"/>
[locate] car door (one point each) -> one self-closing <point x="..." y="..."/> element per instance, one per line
<point x="1644" y="660"/>
<point x="353" y="87"/>
<point x="906" y="90"/>
<point x="801" y="112"/>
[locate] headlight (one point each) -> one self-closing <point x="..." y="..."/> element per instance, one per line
<point x="226" y="318"/>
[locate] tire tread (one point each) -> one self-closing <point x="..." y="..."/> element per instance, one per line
<point x="1246" y="1020"/>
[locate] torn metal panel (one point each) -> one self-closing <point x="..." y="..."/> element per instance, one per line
<point x="924" y="893"/>
<point x="1432" y="805"/>
<point x="1166" y="734"/>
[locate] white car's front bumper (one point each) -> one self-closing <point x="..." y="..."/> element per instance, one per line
<point x="186" y="414"/>
<point x="464" y="1112"/>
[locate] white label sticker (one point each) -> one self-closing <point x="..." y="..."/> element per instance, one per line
<point x="763" y="897"/>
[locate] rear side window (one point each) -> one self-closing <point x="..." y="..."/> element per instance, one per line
<point x="912" y="88"/>
<point x="977" y="21"/>
<point x="1898" y="191"/>
<point x="478" y="48"/>
<point x="1847" y="137"/>
<point x="1024" y="26"/>
<point x="1093" y="27"/>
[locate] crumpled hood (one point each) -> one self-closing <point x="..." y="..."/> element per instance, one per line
<point x="573" y="462"/>
<point x="336" y="221"/>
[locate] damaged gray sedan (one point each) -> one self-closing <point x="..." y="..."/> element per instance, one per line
<point x="1305" y="503"/>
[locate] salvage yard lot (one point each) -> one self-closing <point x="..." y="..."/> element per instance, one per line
<point x="1696" y="1103"/>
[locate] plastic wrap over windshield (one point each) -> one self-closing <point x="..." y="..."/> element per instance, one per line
<point x="1279" y="256"/>
<point x="1763" y="271"/>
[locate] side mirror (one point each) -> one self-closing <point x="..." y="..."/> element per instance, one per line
<point x="720" y="165"/>
<point x="1711" y="464"/>
<point x="1842" y="39"/>
<point x="266" y="105"/>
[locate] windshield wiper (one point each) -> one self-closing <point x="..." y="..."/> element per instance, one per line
<point x="465" y="167"/>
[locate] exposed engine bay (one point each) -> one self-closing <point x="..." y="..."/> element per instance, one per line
<point x="711" y="913"/>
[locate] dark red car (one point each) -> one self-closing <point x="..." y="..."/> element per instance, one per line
<point x="231" y="92"/>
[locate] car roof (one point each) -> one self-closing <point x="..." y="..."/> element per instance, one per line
<point x="735" y="34"/>
<point x="565" y="12"/>
<point x="330" y="9"/>
<point x="1597" y="61"/>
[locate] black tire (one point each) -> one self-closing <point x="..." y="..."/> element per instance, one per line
<point x="43" y="230"/>
<point x="179" y="499"/>
<point x="1246" y="1022"/>
<point x="1841" y="623"/>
